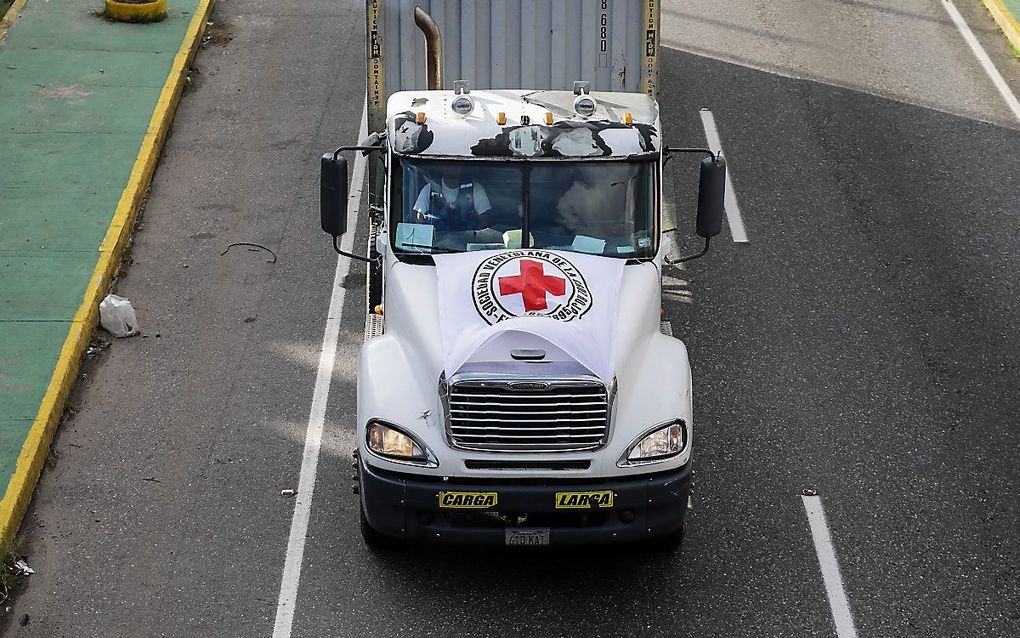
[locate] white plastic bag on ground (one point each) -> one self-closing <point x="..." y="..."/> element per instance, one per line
<point x="117" y="315"/>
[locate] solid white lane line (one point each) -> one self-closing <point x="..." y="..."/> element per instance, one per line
<point x="982" y="56"/>
<point x="733" y="217"/>
<point x="830" y="567"/>
<point x="317" y="415"/>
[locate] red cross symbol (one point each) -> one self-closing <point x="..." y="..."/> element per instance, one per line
<point x="532" y="284"/>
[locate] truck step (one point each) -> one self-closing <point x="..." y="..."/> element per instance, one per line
<point x="666" y="328"/>
<point x="373" y="326"/>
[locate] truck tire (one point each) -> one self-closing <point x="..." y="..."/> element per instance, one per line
<point x="374" y="539"/>
<point x="671" y="542"/>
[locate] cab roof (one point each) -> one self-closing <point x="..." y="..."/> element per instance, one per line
<point x="423" y="123"/>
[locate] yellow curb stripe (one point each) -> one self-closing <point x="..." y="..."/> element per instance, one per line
<point x="1006" y="20"/>
<point x="10" y="16"/>
<point x="33" y="452"/>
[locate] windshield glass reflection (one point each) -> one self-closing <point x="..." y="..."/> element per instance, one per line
<point x="604" y="208"/>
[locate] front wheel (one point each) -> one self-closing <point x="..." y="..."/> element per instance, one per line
<point x="671" y="542"/>
<point x="374" y="539"/>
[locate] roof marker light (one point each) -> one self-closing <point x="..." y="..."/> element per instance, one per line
<point x="501" y="118"/>
<point x="548" y="117"/>
<point x="463" y="104"/>
<point x="421" y="117"/>
<point x="628" y="118"/>
<point x="584" y="105"/>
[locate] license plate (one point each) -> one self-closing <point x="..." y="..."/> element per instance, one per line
<point x="534" y="536"/>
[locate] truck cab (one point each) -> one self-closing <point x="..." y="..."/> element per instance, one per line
<point x="520" y="169"/>
<point x="521" y="388"/>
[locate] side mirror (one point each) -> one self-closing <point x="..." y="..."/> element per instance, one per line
<point x="333" y="195"/>
<point x="711" y="196"/>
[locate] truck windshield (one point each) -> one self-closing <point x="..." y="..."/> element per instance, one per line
<point x="597" y="207"/>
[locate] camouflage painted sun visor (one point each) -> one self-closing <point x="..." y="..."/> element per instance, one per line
<point x="569" y="139"/>
<point x="560" y="139"/>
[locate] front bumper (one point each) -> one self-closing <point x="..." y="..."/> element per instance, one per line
<point x="407" y="506"/>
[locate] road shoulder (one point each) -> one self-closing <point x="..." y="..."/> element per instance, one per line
<point x="1004" y="12"/>
<point x="102" y="106"/>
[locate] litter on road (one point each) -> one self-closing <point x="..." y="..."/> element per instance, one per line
<point x="117" y="316"/>
<point x="252" y="248"/>
<point x="21" y="568"/>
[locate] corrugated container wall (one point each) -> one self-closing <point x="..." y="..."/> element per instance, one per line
<point x="526" y="44"/>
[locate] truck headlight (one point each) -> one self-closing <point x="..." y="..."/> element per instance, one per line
<point x="662" y="442"/>
<point x="395" y="444"/>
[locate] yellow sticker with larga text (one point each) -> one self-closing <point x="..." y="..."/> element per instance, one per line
<point x="584" y="500"/>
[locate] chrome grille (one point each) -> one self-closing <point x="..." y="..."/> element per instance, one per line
<point x="528" y="416"/>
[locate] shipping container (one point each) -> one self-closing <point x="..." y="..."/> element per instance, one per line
<point x="514" y="44"/>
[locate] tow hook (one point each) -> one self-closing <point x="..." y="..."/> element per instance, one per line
<point x="356" y="477"/>
<point x="690" y="494"/>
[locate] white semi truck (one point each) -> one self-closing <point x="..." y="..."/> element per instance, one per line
<point x="518" y="386"/>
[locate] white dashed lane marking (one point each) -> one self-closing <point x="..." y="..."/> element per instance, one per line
<point x="983" y="59"/>
<point x="317" y="416"/>
<point x="830" y="567"/>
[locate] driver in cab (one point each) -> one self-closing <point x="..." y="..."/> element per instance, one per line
<point x="452" y="203"/>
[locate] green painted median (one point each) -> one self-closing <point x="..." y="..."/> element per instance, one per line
<point x="77" y="95"/>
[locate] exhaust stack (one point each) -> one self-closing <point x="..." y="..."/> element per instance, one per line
<point x="433" y="48"/>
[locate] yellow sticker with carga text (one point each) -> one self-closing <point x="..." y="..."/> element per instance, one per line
<point x="584" y="500"/>
<point x="467" y="500"/>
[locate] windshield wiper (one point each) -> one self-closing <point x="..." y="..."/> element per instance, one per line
<point x="441" y="249"/>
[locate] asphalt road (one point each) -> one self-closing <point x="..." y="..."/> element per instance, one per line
<point x="862" y="344"/>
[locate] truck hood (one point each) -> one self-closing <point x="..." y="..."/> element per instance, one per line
<point x="488" y="312"/>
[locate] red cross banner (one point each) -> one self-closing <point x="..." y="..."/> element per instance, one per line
<point x="562" y="303"/>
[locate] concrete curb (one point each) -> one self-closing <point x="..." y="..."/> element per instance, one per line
<point x="1006" y="20"/>
<point x="36" y="447"/>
